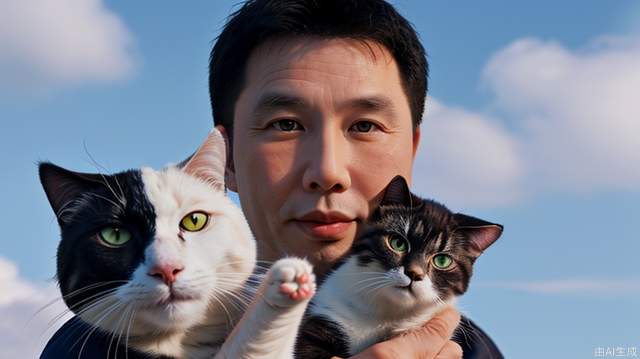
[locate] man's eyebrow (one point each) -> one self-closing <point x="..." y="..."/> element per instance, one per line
<point x="378" y="103"/>
<point x="273" y="100"/>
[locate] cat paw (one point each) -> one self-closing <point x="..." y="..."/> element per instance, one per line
<point x="290" y="281"/>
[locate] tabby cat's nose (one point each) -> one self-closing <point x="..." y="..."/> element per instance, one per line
<point x="166" y="273"/>
<point x="415" y="272"/>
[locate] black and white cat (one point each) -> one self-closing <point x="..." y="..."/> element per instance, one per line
<point x="413" y="259"/>
<point x="159" y="261"/>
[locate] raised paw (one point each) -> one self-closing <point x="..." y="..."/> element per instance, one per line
<point x="290" y="281"/>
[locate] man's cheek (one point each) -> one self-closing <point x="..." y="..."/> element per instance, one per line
<point x="276" y="162"/>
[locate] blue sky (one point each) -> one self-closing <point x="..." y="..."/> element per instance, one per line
<point x="531" y="122"/>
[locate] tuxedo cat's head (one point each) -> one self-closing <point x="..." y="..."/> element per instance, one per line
<point x="157" y="243"/>
<point x="415" y="252"/>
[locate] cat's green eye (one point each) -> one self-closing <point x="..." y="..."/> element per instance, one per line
<point x="398" y="244"/>
<point x="115" y="236"/>
<point x="194" y="221"/>
<point x="442" y="261"/>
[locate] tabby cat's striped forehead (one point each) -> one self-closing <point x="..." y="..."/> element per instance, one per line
<point x="420" y="219"/>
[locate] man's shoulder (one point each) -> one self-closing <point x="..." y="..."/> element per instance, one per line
<point x="475" y="343"/>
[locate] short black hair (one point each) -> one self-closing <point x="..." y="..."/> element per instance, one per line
<point x="259" y="20"/>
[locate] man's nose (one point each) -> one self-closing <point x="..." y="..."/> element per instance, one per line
<point x="327" y="163"/>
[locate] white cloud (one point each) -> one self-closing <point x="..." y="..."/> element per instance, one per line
<point x="576" y="113"/>
<point x="465" y="159"/>
<point x="23" y="330"/>
<point x="571" y="286"/>
<point x="573" y="126"/>
<point x="61" y="42"/>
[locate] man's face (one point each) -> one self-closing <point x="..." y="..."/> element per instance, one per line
<point x="320" y="128"/>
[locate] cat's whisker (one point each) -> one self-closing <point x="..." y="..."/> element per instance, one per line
<point x="467" y="334"/>
<point x="228" y="320"/>
<point x="91" y="286"/>
<point x="97" y="298"/>
<point x="258" y="263"/>
<point x="380" y="286"/>
<point x="238" y="305"/>
<point x="362" y="288"/>
<point x="235" y="278"/>
<point x="69" y="295"/>
<point x="107" y="311"/>
<point x="358" y="273"/>
<point x="228" y="281"/>
<point x="94" y="306"/>
<point x="66" y="207"/>
<point x="121" y="198"/>
<point x="96" y="303"/>
<point x="78" y="324"/>
<point x="473" y="335"/>
<point x="122" y="195"/>
<point x="460" y="330"/>
<point x="113" y="335"/>
<point x="367" y="281"/>
<point x="128" y="309"/>
<point x="126" y="339"/>
<point x="106" y="199"/>
<point x="241" y="297"/>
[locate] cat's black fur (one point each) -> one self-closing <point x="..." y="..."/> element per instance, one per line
<point x="84" y="203"/>
<point x="430" y="228"/>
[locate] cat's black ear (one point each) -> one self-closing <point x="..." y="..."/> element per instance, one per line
<point x="481" y="233"/>
<point x="208" y="162"/>
<point x="63" y="187"/>
<point x="397" y="192"/>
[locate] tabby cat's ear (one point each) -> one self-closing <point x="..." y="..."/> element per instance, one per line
<point x="481" y="233"/>
<point x="63" y="187"/>
<point x="397" y="192"/>
<point x="207" y="163"/>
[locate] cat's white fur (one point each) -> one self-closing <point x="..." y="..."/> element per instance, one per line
<point x="270" y="326"/>
<point x="215" y="263"/>
<point x="369" y="305"/>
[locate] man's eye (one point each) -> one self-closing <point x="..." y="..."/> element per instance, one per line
<point x="286" y="125"/>
<point x="363" y="126"/>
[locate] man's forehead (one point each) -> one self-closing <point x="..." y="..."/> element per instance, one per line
<point x="310" y="73"/>
<point x="341" y="54"/>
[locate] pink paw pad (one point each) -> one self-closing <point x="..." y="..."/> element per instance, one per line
<point x="302" y="288"/>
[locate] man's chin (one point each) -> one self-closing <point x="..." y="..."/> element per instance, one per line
<point x="324" y="255"/>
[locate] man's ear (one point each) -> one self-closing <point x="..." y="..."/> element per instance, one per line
<point x="230" y="172"/>
<point x="416" y="140"/>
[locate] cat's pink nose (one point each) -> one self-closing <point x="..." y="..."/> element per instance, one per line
<point x="166" y="273"/>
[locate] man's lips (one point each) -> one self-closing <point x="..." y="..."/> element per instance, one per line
<point x="327" y="226"/>
<point x="332" y="230"/>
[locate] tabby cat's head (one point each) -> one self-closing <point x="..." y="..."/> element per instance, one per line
<point x="160" y="244"/>
<point x="417" y="252"/>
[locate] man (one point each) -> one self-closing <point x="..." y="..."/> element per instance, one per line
<point x="321" y="103"/>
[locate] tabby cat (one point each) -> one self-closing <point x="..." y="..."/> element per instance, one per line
<point x="412" y="260"/>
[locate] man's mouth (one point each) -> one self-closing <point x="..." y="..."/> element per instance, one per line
<point x="327" y="231"/>
<point x="325" y="225"/>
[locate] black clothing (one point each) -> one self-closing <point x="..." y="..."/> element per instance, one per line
<point x="70" y="338"/>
